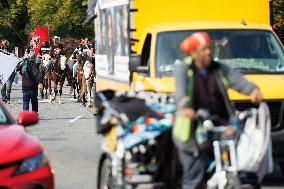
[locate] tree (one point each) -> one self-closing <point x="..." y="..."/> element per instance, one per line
<point x="64" y="18"/>
<point x="13" y="20"/>
<point x="278" y="15"/>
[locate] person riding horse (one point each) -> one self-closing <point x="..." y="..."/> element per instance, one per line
<point x="55" y="51"/>
<point x="84" y="48"/>
<point x="44" y="49"/>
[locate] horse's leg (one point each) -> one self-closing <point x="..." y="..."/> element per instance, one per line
<point x="41" y="93"/>
<point x="74" y="91"/>
<point x="49" y="89"/>
<point x="83" y="88"/>
<point x="55" y="90"/>
<point x="89" y="93"/>
<point x="60" y="92"/>
<point x="79" y="87"/>
<point x="46" y="88"/>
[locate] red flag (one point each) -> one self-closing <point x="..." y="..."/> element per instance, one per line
<point x="39" y="36"/>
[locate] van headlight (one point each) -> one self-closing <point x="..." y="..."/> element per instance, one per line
<point x="32" y="163"/>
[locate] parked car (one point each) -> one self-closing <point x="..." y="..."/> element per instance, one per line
<point x="23" y="162"/>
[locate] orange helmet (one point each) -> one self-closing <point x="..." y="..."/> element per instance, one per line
<point x="195" y="40"/>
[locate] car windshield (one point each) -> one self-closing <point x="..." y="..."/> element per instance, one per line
<point x="4" y="118"/>
<point x="248" y="51"/>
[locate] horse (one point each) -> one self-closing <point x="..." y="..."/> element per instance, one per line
<point x="58" y="72"/>
<point x="85" y="79"/>
<point x="45" y="60"/>
<point x="89" y="75"/>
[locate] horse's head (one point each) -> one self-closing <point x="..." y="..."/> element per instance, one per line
<point x="45" y="59"/>
<point x="63" y="61"/>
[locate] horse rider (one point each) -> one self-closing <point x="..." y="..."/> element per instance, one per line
<point x="44" y="49"/>
<point x="85" y="47"/>
<point x="7" y="87"/>
<point x="56" y="50"/>
<point x="77" y="52"/>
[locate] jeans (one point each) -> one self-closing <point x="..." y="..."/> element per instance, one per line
<point x="16" y="78"/>
<point x="30" y="95"/>
<point x="7" y="87"/>
<point x="74" y="70"/>
<point x="47" y="67"/>
<point x="193" y="170"/>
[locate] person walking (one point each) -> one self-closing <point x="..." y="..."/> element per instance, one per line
<point x="31" y="78"/>
<point x="7" y="87"/>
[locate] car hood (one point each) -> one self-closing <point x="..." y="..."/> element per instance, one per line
<point x="16" y="144"/>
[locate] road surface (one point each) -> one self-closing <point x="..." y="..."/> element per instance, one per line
<point x="67" y="131"/>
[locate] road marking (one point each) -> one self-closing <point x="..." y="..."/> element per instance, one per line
<point x="75" y="119"/>
<point x="43" y="101"/>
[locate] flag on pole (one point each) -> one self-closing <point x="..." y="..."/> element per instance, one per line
<point x="38" y="37"/>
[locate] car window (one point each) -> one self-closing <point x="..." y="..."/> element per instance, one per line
<point x="4" y="118"/>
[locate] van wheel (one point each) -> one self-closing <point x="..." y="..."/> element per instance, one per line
<point x="105" y="179"/>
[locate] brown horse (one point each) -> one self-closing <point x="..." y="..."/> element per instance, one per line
<point x="57" y="74"/>
<point x="45" y="60"/>
<point x="85" y="78"/>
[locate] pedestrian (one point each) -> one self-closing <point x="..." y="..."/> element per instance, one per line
<point x="201" y="83"/>
<point x="7" y="87"/>
<point x="31" y="79"/>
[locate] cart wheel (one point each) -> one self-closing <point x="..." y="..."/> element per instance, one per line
<point x="105" y="175"/>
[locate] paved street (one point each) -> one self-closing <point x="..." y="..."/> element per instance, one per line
<point x="67" y="131"/>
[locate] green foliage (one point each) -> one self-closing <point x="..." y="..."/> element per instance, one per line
<point x="64" y="18"/>
<point x="13" y="19"/>
<point x="278" y="10"/>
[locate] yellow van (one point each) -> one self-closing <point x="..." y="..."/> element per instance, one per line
<point x="242" y="38"/>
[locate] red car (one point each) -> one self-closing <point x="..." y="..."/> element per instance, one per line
<point x="23" y="163"/>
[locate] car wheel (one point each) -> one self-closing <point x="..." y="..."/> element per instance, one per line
<point x="105" y="175"/>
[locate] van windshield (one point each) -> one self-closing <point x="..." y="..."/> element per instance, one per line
<point x="248" y="51"/>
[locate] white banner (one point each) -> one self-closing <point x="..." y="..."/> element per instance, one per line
<point x="8" y="64"/>
<point x="103" y="4"/>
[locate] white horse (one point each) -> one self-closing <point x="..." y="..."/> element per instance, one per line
<point x="88" y="75"/>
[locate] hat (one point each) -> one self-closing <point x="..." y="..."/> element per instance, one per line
<point x="56" y="37"/>
<point x="194" y="41"/>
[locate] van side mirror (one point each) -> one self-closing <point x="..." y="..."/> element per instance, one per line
<point x="135" y="65"/>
